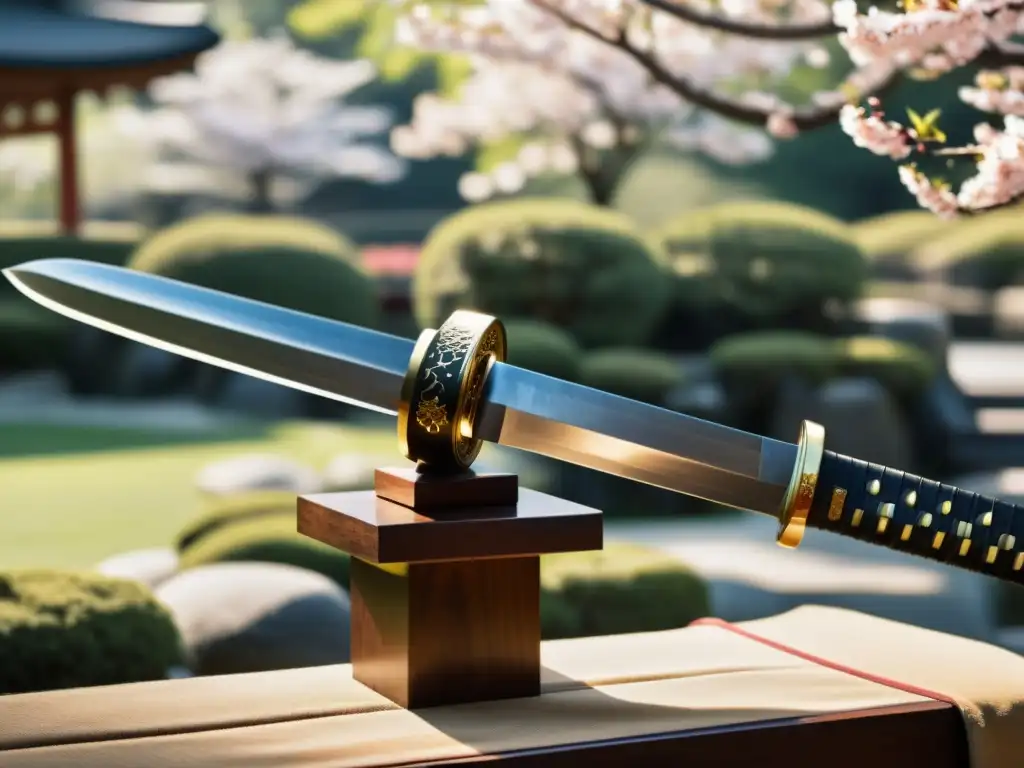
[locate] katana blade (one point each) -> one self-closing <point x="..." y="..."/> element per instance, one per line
<point x="327" y="358"/>
<point x="521" y="409"/>
<point x="450" y="394"/>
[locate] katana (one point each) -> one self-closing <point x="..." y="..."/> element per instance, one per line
<point x="452" y="391"/>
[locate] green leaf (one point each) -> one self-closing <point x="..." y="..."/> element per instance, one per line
<point x="379" y="34"/>
<point x="397" y="63"/>
<point x="452" y="71"/>
<point x="503" y="150"/>
<point x="926" y="127"/>
<point x="315" y="19"/>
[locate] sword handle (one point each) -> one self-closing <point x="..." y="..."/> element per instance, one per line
<point x="919" y="516"/>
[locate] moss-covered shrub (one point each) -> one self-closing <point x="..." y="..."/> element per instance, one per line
<point x="760" y="265"/>
<point x="67" y="630"/>
<point x="220" y="512"/>
<point x="638" y="374"/>
<point x="270" y="538"/>
<point x="578" y="267"/>
<point x="104" y="243"/>
<point x="901" y="368"/>
<point x="889" y="241"/>
<point x="31" y="336"/>
<point x="986" y="253"/>
<point x="622" y="588"/>
<point x="544" y="348"/>
<point x="758" y="362"/>
<point x="767" y="357"/>
<point x="288" y="262"/>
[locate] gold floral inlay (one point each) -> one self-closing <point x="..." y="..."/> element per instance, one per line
<point x="431" y="415"/>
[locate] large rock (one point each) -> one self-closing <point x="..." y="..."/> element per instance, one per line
<point x="151" y="567"/>
<point x="253" y="617"/>
<point x="860" y="418"/>
<point x="257" y="472"/>
<point x="350" y="472"/>
<point x="921" y="324"/>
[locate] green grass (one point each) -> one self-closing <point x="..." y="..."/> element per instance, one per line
<point x="27" y="440"/>
<point x="88" y="493"/>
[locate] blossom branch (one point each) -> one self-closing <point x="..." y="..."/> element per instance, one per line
<point x="796" y="119"/>
<point x="757" y="31"/>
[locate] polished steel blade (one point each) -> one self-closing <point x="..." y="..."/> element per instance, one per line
<point x="325" y="357"/>
<point x="521" y="409"/>
<point x="630" y="439"/>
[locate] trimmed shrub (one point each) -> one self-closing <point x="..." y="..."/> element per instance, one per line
<point x="270" y="538"/>
<point x="32" y="337"/>
<point x="901" y="368"/>
<point x="888" y="241"/>
<point x="68" y="630"/>
<point x="581" y="268"/>
<point x="758" y="265"/>
<point x="102" y="242"/>
<point x="288" y="262"/>
<point x="986" y="252"/>
<point x="638" y="374"/>
<point x="219" y="513"/>
<point x="543" y="348"/>
<point x="752" y="365"/>
<point x="767" y="357"/>
<point x="622" y="588"/>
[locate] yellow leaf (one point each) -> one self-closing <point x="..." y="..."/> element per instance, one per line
<point x="323" y="18"/>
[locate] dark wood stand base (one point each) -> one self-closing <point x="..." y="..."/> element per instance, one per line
<point x="445" y="580"/>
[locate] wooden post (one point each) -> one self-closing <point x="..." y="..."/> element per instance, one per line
<point x="70" y="213"/>
<point x="445" y="580"/>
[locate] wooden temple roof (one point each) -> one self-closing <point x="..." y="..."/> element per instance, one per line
<point x="53" y="35"/>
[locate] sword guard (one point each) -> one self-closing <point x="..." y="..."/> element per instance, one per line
<point x="442" y="391"/>
<point x="796" y="505"/>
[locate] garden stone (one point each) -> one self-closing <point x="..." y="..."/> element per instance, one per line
<point x="151" y="567"/>
<point x="255" y="617"/>
<point x="257" y="472"/>
<point x="260" y="398"/>
<point x="917" y="323"/>
<point x="1008" y="311"/>
<point x="349" y="472"/>
<point x="861" y="418"/>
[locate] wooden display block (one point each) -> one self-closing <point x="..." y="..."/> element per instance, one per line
<point x="445" y="580"/>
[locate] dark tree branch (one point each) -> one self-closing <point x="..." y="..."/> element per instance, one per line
<point x="736" y="27"/>
<point x="1002" y="55"/>
<point x="804" y="119"/>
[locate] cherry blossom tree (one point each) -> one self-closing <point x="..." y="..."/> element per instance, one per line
<point x="268" y="121"/>
<point x="713" y="58"/>
<point x="582" y="105"/>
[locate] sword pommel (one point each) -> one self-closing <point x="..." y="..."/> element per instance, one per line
<point x="443" y="388"/>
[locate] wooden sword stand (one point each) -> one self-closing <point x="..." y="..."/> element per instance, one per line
<point x="445" y="580"/>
